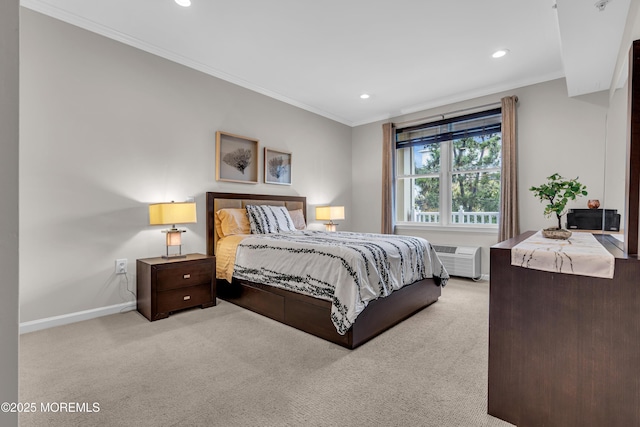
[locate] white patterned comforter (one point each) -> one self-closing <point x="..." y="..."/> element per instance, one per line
<point x="348" y="269"/>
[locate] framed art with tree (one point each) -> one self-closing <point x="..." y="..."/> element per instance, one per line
<point x="277" y="167"/>
<point x="236" y="158"/>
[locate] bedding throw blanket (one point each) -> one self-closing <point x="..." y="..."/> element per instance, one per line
<point x="348" y="269"/>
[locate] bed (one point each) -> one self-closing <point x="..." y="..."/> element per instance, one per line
<point x="305" y="312"/>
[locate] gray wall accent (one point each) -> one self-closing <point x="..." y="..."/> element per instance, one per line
<point x="108" y="129"/>
<point x="9" y="252"/>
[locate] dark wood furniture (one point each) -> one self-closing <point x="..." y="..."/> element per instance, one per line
<point x="167" y="285"/>
<point x="632" y="176"/>
<point x="303" y="312"/>
<point x="564" y="350"/>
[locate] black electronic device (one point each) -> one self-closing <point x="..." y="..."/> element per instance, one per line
<point x="593" y="219"/>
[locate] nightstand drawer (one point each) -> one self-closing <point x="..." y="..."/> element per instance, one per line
<point x="166" y="285"/>
<point x="176" y="299"/>
<point x="183" y="274"/>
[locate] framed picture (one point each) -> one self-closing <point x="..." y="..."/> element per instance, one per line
<point x="277" y="167"/>
<point x="236" y="158"/>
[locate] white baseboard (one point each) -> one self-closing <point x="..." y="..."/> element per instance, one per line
<point x="65" y="319"/>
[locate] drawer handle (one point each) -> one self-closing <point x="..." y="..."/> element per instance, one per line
<point x="186" y="297"/>
<point x="186" y="276"/>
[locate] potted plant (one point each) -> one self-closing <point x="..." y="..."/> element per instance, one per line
<point x="556" y="192"/>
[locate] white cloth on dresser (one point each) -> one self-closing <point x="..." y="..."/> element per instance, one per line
<point x="580" y="254"/>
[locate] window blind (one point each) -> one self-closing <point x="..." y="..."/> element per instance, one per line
<point x="466" y="126"/>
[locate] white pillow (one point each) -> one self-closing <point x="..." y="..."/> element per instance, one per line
<point x="265" y="219"/>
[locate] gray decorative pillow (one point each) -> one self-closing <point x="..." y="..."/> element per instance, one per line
<point x="298" y="219"/>
<point x="265" y="219"/>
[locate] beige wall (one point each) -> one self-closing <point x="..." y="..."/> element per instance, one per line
<point x="108" y="129"/>
<point x="9" y="254"/>
<point x="555" y="134"/>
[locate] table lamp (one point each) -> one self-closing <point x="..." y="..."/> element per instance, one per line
<point x="173" y="213"/>
<point x="329" y="213"/>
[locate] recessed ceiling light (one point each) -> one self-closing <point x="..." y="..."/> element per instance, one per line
<point x="365" y="96"/>
<point x="500" y="53"/>
<point x="184" y="3"/>
<point x="601" y="4"/>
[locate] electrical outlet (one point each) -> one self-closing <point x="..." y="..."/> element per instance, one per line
<point x="121" y="266"/>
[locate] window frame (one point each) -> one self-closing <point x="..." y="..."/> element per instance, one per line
<point x="445" y="173"/>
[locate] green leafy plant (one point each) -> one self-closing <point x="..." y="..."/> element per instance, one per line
<point x="557" y="191"/>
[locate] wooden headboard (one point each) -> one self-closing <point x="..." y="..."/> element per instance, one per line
<point x="217" y="201"/>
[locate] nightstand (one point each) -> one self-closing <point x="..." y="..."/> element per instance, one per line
<point x="166" y="285"/>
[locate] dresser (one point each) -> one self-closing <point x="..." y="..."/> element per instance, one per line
<point x="564" y="349"/>
<point x="167" y="285"/>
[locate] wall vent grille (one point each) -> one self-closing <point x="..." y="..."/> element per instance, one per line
<point x="463" y="261"/>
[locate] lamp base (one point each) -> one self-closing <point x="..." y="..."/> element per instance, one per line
<point x="174" y="239"/>
<point x="330" y="226"/>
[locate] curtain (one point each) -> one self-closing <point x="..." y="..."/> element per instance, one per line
<point x="509" y="223"/>
<point x="388" y="130"/>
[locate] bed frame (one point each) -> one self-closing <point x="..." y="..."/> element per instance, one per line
<point x="303" y="312"/>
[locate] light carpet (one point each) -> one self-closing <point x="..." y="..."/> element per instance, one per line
<point x="226" y="366"/>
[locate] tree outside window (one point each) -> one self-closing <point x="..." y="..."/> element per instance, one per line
<point x="450" y="182"/>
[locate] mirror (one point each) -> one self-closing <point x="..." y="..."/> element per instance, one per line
<point x="621" y="106"/>
<point x="615" y="159"/>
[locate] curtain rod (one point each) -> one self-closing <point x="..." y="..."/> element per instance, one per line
<point x="425" y="119"/>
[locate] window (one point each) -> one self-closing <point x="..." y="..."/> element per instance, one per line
<point x="448" y="172"/>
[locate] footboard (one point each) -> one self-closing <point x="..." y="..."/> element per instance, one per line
<point x="313" y="315"/>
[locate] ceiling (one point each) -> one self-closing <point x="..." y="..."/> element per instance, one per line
<point x="409" y="55"/>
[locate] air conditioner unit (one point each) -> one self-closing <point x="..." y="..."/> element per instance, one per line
<point x="460" y="260"/>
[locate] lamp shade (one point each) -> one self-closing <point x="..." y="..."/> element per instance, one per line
<point x="172" y="213"/>
<point x="329" y="213"/>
